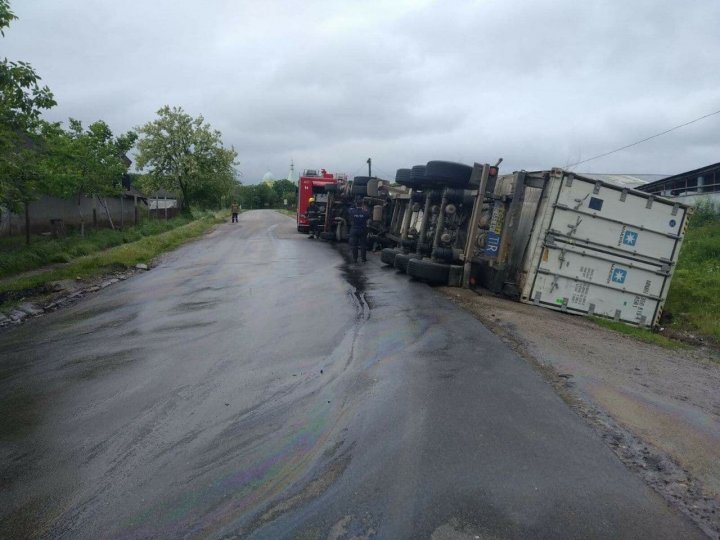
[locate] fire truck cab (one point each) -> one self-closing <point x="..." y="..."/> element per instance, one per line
<point x="312" y="184"/>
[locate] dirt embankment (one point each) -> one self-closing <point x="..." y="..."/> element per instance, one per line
<point x="657" y="408"/>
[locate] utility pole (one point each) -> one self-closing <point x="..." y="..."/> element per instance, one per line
<point x="369" y="162"/>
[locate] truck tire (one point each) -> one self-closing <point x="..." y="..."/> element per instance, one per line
<point x="402" y="259"/>
<point x="359" y="190"/>
<point x="328" y="236"/>
<point x="387" y="256"/>
<point x="331" y="188"/>
<point x="417" y="177"/>
<point x="402" y="177"/>
<point x="448" y="173"/>
<point x="429" y="271"/>
<point x="424" y="249"/>
<point x="408" y="244"/>
<point x="361" y="180"/>
<point x="303" y="228"/>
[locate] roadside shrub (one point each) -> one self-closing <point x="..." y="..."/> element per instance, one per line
<point x="705" y="212"/>
<point x="694" y="296"/>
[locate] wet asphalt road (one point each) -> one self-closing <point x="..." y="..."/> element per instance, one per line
<point x="253" y="385"/>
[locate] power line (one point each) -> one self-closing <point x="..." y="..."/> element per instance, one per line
<point x="644" y="140"/>
<point x="360" y="167"/>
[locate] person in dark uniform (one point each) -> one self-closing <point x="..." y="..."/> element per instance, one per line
<point x="359" y="217"/>
<point x="313" y="216"/>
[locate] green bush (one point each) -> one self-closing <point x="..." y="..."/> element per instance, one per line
<point x="705" y="212"/>
<point x="694" y="297"/>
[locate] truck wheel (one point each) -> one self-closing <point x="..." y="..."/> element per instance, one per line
<point x="402" y="176"/>
<point x="402" y="259"/>
<point x="360" y="189"/>
<point x="448" y="173"/>
<point x="428" y="271"/>
<point x="408" y="244"/>
<point x="327" y="236"/>
<point x="387" y="256"/>
<point x="303" y="228"/>
<point x="417" y="177"/>
<point x="361" y="180"/>
<point x="331" y="188"/>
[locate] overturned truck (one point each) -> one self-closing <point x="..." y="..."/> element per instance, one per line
<point x="552" y="238"/>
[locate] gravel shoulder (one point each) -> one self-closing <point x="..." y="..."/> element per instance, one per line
<point x="657" y="408"/>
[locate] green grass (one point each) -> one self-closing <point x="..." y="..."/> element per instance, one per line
<point x="17" y="257"/>
<point x="115" y="258"/>
<point x="642" y="334"/>
<point x="693" y="301"/>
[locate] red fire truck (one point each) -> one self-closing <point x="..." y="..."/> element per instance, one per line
<point x="312" y="184"/>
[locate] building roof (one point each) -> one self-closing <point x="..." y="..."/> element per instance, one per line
<point x="161" y="194"/>
<point x="715" y="167"/>
<point x="633" y="181"/>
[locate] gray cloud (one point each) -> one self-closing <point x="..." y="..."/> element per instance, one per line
<point x="330" y="83"/>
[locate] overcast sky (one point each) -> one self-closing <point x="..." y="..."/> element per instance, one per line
<point x="541" y="83"/>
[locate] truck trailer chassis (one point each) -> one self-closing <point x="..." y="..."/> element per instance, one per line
<point x="551" y="238"/>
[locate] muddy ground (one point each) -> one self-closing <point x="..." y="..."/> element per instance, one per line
<point x="657" y="408"/>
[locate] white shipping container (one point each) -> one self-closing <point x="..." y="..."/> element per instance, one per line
<point x="597" y="248"/>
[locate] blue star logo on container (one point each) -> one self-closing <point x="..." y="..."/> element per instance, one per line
<point x="619" y="275"/>
<point x="630" y="238"/>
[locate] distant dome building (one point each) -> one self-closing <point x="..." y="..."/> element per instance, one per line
<point x="268" y="178"/>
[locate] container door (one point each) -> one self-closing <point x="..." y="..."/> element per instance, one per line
<point x="608" y="251"/>
<point x="618" y="220"/>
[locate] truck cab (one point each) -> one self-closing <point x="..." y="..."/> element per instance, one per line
<point x="312" y="185"/>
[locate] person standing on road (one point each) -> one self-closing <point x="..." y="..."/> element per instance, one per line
<point x="235" y="209"/>
<point x="313" y="216"/>
<point x="359" y="217"/>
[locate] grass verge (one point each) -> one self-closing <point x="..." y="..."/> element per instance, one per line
<point x="693" y="303"/>
<point x="642" y="334"/>
<point x="291" y="213"/>
<point x="17" y="257"/>
<point x="113" y="259"/>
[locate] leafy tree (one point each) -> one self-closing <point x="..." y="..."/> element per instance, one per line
<point x="21" y="150"/>
<point x="262" y="195"/>
<point x="285" y="190"/>
<point x="185" y="155"/>
<point x="21" y="97"/>
<point x="6" y="16"/>
<point x="22" y="173"/>
<point x="87" y="162"/>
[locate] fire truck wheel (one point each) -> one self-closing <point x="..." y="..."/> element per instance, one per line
<point x="402" y="259"/>
<point x="387" y="256"/>
<point x="303" y="228"/>
<point x="359" y="189"/>
<point x="331" y="188"/>
<point x="328" y="236"/>
<point x="428" y="271"/>
<point x="448" y="173"/>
